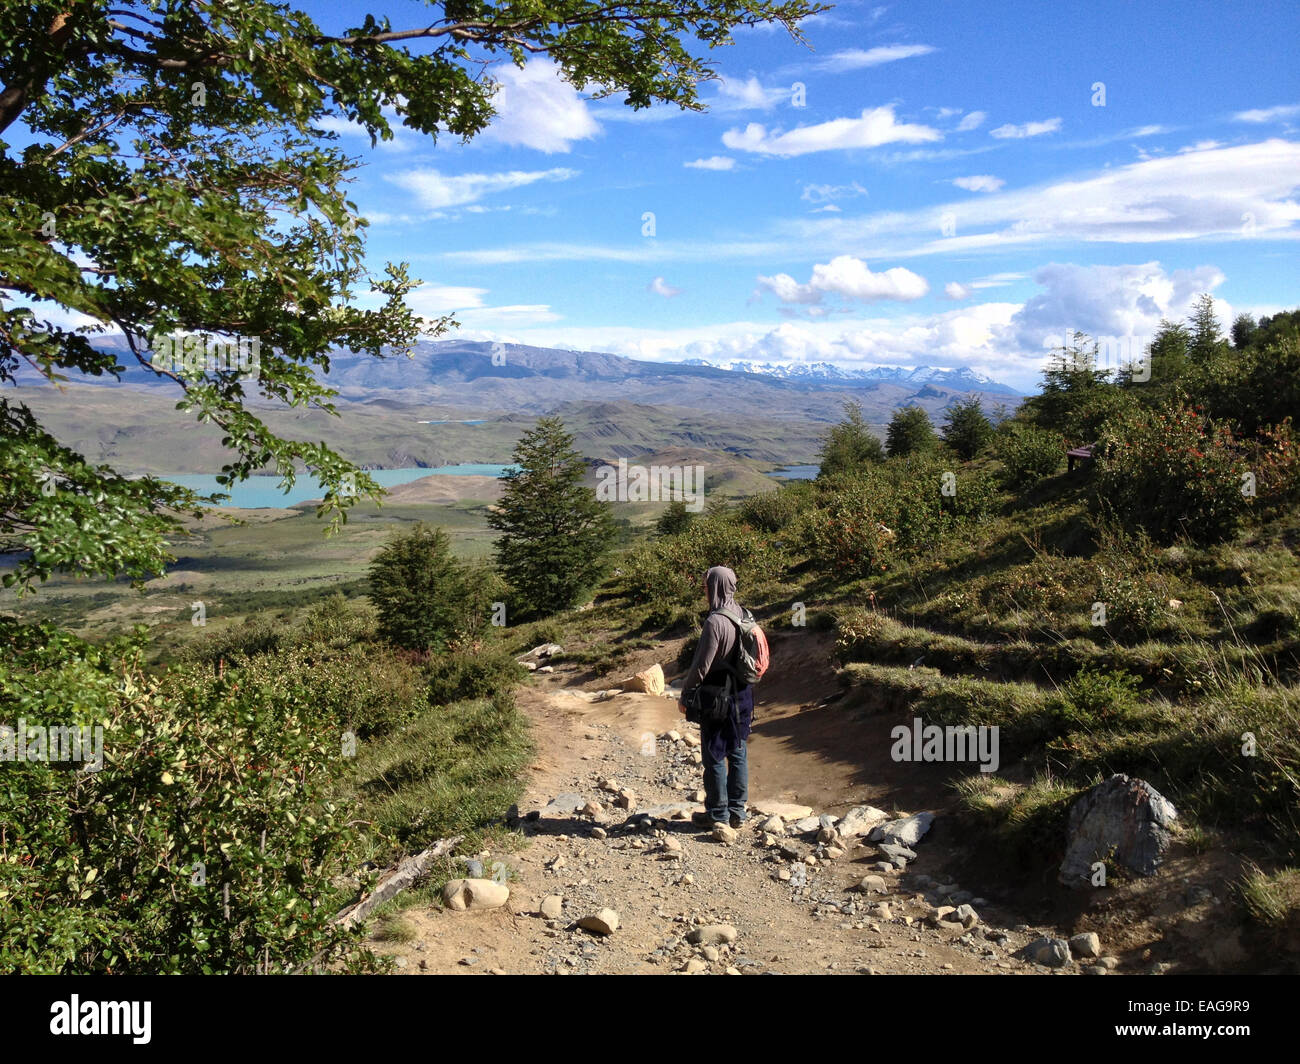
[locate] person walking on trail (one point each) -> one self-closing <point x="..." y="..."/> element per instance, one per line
<point x="726" y="767"/>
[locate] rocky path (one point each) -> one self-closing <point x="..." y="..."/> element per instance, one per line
<point x="616" y="878"/>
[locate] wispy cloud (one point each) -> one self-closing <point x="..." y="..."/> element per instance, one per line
<point x="860" y="59"/>
<point x="1269" y="114"/>
<point x="436" y="190"/>
<point x="973" y="120"/>
<point x="1029" y="129"/>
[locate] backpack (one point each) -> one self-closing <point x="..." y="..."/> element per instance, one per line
<point x="752" y="655"/>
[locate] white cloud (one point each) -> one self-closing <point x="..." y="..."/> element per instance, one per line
<point x="713" y="162"/>
<point x="1269" y="114"/>
<point x="436" y="190"/>
<point x="1009" y="341"/>
<point x="859" y="59"/>
<point x="829" y="193"/>
<point x="536" y="108"/>
<point x="748" y="95"/>
<point x="874" y="127"/>
<point x="953" y="290"/>
<point x="979" y="183"/>
<point x="1029" y="129"/>
<point x="972" y="121"/>
<point x="1109" y="301"/>
<point x="660" y="287"/>
<point x="431" y="300"/>
<point x="848" y="277"/>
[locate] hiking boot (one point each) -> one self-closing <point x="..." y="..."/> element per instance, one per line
<point x="737" y="823"/>
<point x="703" y="818"/>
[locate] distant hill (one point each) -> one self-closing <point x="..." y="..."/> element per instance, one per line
<point x="616" y="407"/>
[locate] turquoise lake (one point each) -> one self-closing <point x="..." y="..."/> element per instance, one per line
<point x="257" y="492"/>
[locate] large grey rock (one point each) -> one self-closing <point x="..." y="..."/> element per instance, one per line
<point x="897" y="854"/>
<point x="1049" y="952"/>
<point x="908" y="831"/>
<point x="667" y="811"/>
<point x="1086" y="944"/>
<point x="564" y="805"/>
<point x="1122" y="819"/>
<point x="860" y="820"/>
<point x="806" y="825"/>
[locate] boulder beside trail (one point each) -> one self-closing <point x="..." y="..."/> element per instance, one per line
<point x="649" y="681"/>
<point x="860" y="820"/>
<point x="1123" y="819"/>
<point x="907" y="831"/>
<point x="462" y="894"/>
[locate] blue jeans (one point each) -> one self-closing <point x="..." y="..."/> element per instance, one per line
<point x="726" y="781"/>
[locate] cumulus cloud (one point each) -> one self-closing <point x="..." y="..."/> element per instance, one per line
<point x="874" y="127"/>
<point x="660" y="287"/>
<point x="1029" y="129"/>
<point x="713" y="162"/>
<point x="536" y="108"/>
<point x="973" y="120"/>
<point x="953" y="290"/>
<point x="850" y="278"/>
<point x="436" y="190"/>
<point x="979" y="183"/>
<point x="859" y="59"/>
<point x="1109" y="301"/>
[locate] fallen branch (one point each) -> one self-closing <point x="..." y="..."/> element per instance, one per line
<point x="408" y="870"/>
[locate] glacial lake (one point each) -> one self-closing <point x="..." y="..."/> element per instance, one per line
<point x="795" y="472"/>
<point x="257" y="492"/>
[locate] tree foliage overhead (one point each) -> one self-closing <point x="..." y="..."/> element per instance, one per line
<point x="167" y="167"/>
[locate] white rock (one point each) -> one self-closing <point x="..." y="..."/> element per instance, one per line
<point x="552" y="907"/>
<point x="712" y="935"/>
<point x="604" y="922"/>
<point x="462" y="894"/>
<point x="1087" y="944"/>
<point x="860" y="820"/>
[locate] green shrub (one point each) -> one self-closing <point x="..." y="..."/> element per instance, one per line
<point x="206" y="842"/>
<point x="1028" y="454"/>
<point x="1096" y="698"/>
<point x="1171" y="473"/>
<point x="466" y="674"/>
<point x="773" y="511"/>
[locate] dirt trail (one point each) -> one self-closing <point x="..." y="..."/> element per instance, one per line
<point x="808" y="747"/>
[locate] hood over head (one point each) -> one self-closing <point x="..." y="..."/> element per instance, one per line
<point x="721" y="585"/>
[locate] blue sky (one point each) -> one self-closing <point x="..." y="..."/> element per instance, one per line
<point x="957" y="189"/>
<point x="933" y="183"/>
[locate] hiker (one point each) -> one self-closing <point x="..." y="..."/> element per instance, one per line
<point x="726" y="769"/>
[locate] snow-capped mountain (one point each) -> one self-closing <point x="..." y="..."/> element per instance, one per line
<point x="962" y="379"/>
